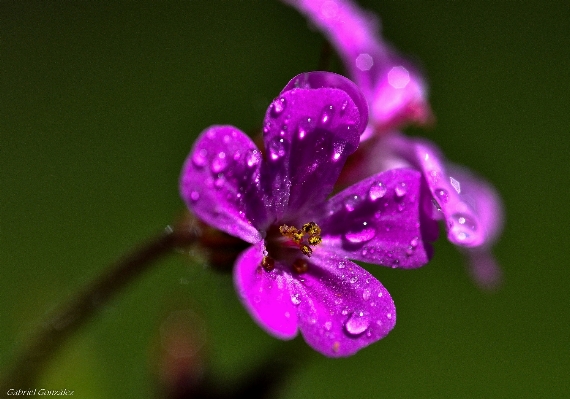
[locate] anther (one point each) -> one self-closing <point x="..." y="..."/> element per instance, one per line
<point x="315" y="240"/>
<point x="306" y="250"/>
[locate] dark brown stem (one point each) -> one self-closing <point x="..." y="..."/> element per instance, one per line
<point x="65" y="320"/>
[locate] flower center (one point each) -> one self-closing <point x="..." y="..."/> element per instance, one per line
<point x="290" y="237"/>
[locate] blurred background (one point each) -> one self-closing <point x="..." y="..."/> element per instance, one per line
<point x="100" y="103"/>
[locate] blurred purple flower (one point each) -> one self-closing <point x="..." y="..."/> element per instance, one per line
<point x="296" y="275"/>
<point x="397" y="94"/>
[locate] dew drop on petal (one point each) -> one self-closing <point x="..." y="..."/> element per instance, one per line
<point x="295" y="299"/>
<point x="338" y="149"/>
<point x="359" y="236"/>
<point x="328" y="325"/>
<point x="351" y="202"/>
<point x="414" y="242"/>
<point x="199" y="158"/>
<point x="341" y="264"/>
<point x="456" y="185"/>
<point x="389" y="315"/>
<point x="253" y="158"/>
<point x="194" y="196"/>
<point x="377" y="190"/>
<point x="327" y="115"/>
<point x="276" y="148"/>
<point x="442" y="194"/>
<point x="278" y="106"/>
<point x="366" y="294"/>
<point x="357" y="324"/>
<point x="401" y="189"/>
<point x="219" y="163"/>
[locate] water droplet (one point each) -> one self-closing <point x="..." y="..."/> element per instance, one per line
<point x="253" y="158"/>
<point x="353" y="279"/>
<point x="343" y="107"/>
<point x="389" y="315"/>
<point x="219" y="163"/>
<point x="305" y="126"/>
<point x="456" y="185"/>
<point x="465" y="220"/>
<point x="366" y="294"/>
<point x="363" y="235"/>
<point x="379" y="295"/>
<point x="377" y="190"/>
<point x="226" y="139"/>
<point x="442" y="194"/>
<point x="220" y="180"/>
<point x="351" y="202"/>
<point x="295" y="299"/>
<point x="276" y="148"/>
<point x="194" y="196"/>
<point x="357" y="324"/>
<point x="199" y="158"/>
<point x="409" y="251"/>
<point x="341" y="264"/>
<point x="327" y="115"/>
<point x="328" y="325"/>
<point x="278" y="106"/>
<point x="401" y="189"/>
<point x="338" y="149"/>
<point x="414" y="242"/>
<point x="344" y="312"/>
<point x="237" y="156"/>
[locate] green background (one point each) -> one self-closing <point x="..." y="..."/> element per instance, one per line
<point x="100" y="103"/>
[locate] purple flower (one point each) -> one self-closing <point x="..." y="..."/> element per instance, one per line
<point x="296" y="275"/>
<point x="397" y="94"/>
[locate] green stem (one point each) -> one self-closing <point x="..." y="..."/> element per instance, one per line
<point x="51" y="335"/>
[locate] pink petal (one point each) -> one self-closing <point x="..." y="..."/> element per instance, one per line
<point x="377" y="220"/>
<point x="308" y="135"/>
<point x="267" y="296"/>
<point x="342" y="307"/>
<point x="220" y="182"/>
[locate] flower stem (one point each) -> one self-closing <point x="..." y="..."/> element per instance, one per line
<point x="60" y="325"/>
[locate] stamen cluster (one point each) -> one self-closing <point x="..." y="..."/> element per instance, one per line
<point x="309" y="234"/>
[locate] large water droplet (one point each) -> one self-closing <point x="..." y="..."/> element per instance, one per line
<point x="366" y="233"/>
<point x="327" y="115"/>
<point x="278" y="106"/>
<point x="377" y="190"/>
<point x="194" y="196"/>
<point x="276" y="148"/>
<point x="442" y="194"/>
<point x="351" y="202"/>
<point x="342" y="264"/>
<point x="366" y="294"/>
<point x="401" y="189"/>
<point x="414" y="242"/>
<point x="328" y="325"/>
<point x="295" y="299"/>
<point x="357" y="324"/>
<point x="219" y="163"/>
<point x="199" y="158"/>
<point x="253" y="158"/>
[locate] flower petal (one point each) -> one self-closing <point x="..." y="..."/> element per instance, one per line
<point x="395" y="90"/>
<point x="220" y="182"/>
<point x="308" y="135"/>
<point x="319" y="79"/>
<point x="342" y="307"/>
<point x="377" y="221"/>
<point x="471" y="208"/>
<point x="266" y="295"/>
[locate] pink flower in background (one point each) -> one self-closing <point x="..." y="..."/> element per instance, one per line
<point x="296" y="275"/>
<point x="397" y="94"/>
